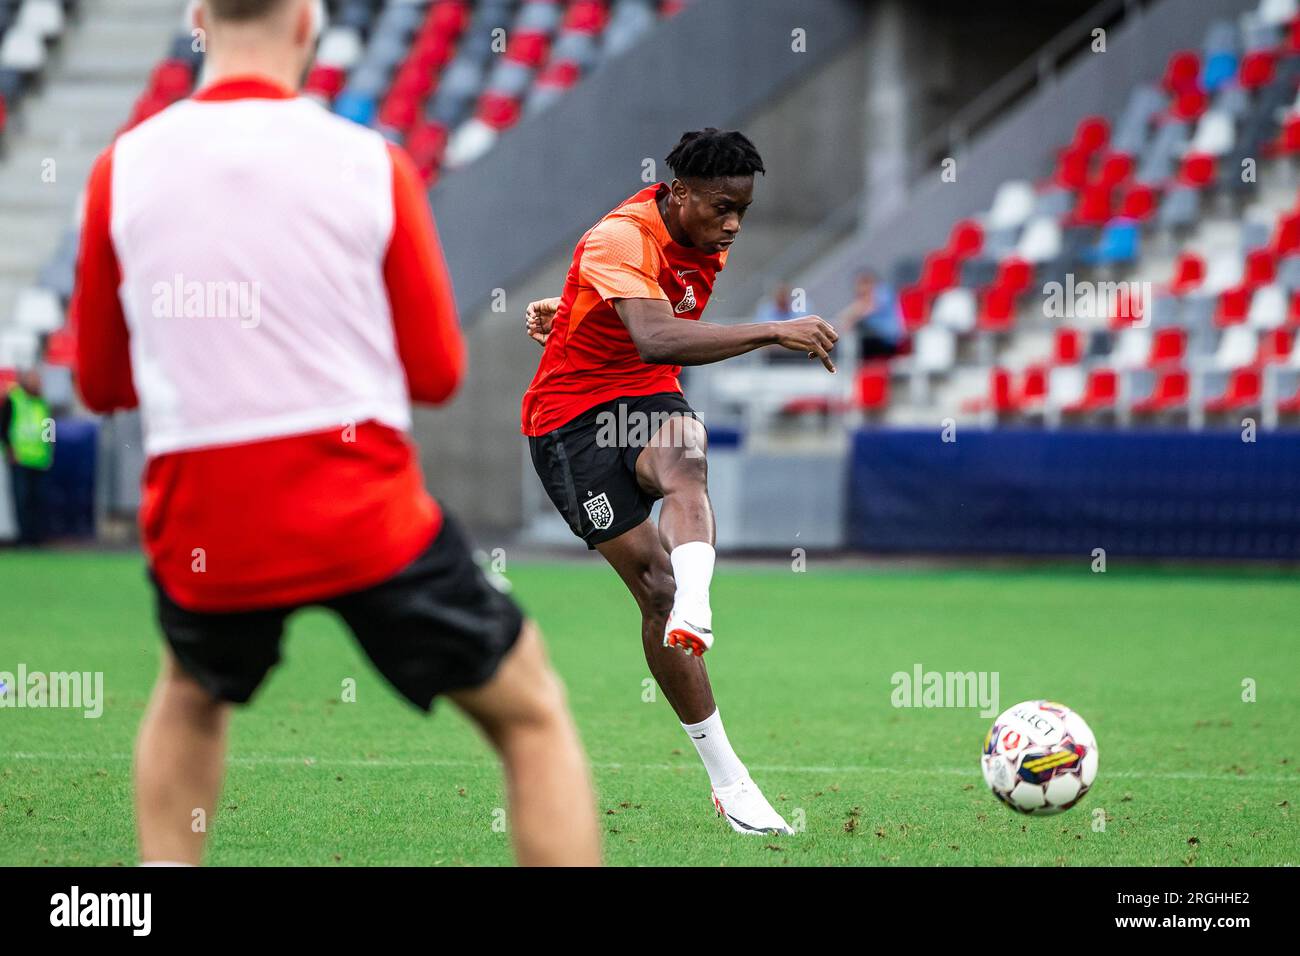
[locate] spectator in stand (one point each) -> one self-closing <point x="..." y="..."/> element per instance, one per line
<point x="873" y="315"/>
<point x="27" y="436"/>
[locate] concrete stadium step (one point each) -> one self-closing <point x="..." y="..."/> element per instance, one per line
<point x="22" y="186"/>
<point x="101" y="66"/>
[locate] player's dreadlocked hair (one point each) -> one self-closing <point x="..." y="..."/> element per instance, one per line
<point x="714" y="154"/>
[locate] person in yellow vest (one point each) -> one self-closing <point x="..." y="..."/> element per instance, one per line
<point x="27" y="436"/>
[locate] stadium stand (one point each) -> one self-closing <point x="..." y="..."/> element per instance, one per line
<point x="1151" y="274"/>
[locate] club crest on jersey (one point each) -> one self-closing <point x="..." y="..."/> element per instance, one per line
<point x="600" y="511"/>
<point x="688" y="302"/>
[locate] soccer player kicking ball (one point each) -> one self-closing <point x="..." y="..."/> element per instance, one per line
<point x="264" y="280"/>
<point x="610" y="432"/>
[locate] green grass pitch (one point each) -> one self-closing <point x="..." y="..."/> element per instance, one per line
<point x="1154" y="659"/>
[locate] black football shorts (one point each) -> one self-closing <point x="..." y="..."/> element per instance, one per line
<point x="588" y="465"/>
<point x="438" y="624"/>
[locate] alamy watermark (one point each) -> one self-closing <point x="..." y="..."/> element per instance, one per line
<point x="1096" y="300"/>
<point x="191" y="299"/>
<point x="635" y="429"/>
<point x="922" y="688"/>
<point x="72" y="690"/>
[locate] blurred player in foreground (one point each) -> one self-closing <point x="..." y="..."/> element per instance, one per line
<point x="283" y="298"/>
<point x="610" y="432"/>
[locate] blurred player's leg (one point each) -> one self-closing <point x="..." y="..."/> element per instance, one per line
<point x="179" y="764"/>
<point x="522" y="710"/>
<point x="675" y="466"/>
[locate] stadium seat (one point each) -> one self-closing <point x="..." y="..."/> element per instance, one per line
<point x="1169" y="391"/>
<point x="1237" y="348"/>
<point x="1100" y="393"/>
<point x="871" y="389"/>
<point x="1243" y="391"/>
<point x="955" y="309"/>
<point x="1067" y="346"/>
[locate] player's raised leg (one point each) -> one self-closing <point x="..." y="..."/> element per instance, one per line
<point x="522" y="711"/>
<point x="179" y="764"/>
<point x="674" y="465"/>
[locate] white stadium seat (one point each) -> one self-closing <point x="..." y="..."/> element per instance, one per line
<point x="340" y="47"/>
<point x="1012" y="206"/>
<point x="22" y="50"/>
<point x="1041" y="241"/>
<point x="41" y="17"/>
<point x="1237" y="348"/>
<point x="955" y="309"/>
<point x="1268" y="307"/>
<point x="38" y="310"/>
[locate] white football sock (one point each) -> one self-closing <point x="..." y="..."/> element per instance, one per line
<point x="711" y="742"/>
<point x="693" y="572"/>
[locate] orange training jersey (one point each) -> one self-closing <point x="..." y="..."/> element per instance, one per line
<point x="590" y="357"/>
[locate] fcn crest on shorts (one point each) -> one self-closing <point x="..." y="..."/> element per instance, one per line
<point x="600" y="511"/>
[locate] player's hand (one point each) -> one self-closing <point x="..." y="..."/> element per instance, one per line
<point x="811" y="334"/>
<point x="538" y="318"/>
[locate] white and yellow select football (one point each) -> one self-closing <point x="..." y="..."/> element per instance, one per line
<point x="1039" y="757"/>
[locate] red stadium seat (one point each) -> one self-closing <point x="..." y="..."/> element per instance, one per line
<point x="4" y="115"/>
<point x="1286" y="236"/>
<point x="586" y="16"/>
<point x="1242" y="391"/>
<point x="1100" y="392"/>
<point x="530" y="49"/>
<point x="1115" y="169"/>
<point x="1167" y="345"/>
<point x="913" y="307"/>
<point x="560" y="73"/>
<point x="1014" y="275"/>
<point x="1261" y="268"/>
<point x="426" y="143"/>
<point x="1197" y="170"/>
<point x="1189" y="273"/>
<point x="1182" y="72"/>
<point x="399" y="110"/>
<point x="1189" y="105"/>
<point x="997" y="311"/>
<point x="1233" y="305"/>
<point x="1170" y="392"/>
<point x="1275" y="347"/>
<point x="1288" y="138"/>
<point x="1257" y="68"/>
<point x="966" y="239"/>
<point x="498" y="110"/>
<point x="1091" y="134"/>
<point x="1033" y="388"/>
<point x="325" y="81"/>
<point x="1072" y="168"/>
<point x="871" y="389"/>
<point x="429" y="55"/>
<point x="1067" y="347"/>
<point x="448" y="18"/>
<point x="938" y="272"/>
<point x="1139" y="203"/>
<point x="1092" y="208"/>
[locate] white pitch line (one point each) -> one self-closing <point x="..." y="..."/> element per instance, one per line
<point x="269" y="760"/>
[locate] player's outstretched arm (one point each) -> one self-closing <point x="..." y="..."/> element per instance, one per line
<point x="663" y="339"/>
